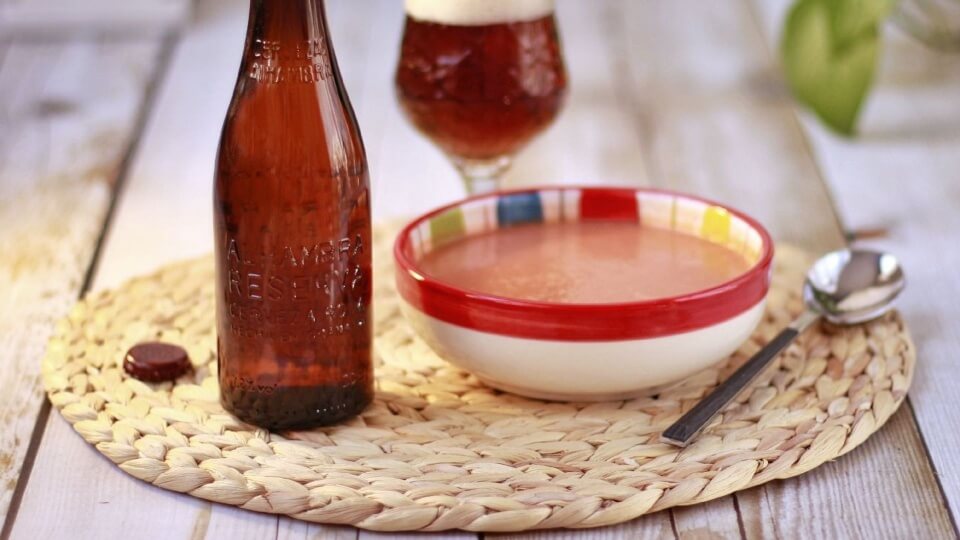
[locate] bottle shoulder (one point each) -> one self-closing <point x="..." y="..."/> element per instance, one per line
<point x="276" y="131"/>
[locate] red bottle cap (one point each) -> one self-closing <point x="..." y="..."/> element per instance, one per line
<point x="156" y="362"/>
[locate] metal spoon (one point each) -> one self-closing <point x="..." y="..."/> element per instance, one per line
<point x="844" y="287"/>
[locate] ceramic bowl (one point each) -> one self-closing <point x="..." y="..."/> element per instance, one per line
<point x="583" y="352"/>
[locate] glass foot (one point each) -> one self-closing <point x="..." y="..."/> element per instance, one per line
<point x="482" y="176"/>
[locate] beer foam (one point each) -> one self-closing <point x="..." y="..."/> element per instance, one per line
<point x="478" y="12"/>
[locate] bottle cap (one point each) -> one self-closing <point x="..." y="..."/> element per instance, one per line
<point x="156" y="362"/>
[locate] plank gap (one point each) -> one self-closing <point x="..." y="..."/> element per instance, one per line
<point x="908" y="403"/>
<point x="736" y="508"/>
<point x="35" y="436"/>
<point x="673" y="524"/>
<point x="43" y="416"/>
<point x="768" y="42"/>
<point x="149" y="101"/>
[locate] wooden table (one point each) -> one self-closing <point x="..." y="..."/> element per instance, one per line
<point x="106" y="156"/>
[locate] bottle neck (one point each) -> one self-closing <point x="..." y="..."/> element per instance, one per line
<point x="287" y="41"/>
<point x="285" y="20"/>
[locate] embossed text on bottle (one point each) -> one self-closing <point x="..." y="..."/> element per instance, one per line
<point x="275" y="63"/>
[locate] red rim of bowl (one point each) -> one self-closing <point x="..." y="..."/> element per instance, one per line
<point x="581" y="322"/>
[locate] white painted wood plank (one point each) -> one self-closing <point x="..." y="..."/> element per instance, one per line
<point x="903" y="172"/>
<point x="64" y="135"/>
<point x="865" y="497"/>
<point x="366" y="37"/>
<point x="784" y="168"/>
<point x="53" y="18"/>
<point x="706" y="98"/>
<point x="713" y="520"/>
<point x="164" y="214"/>
<point x="292" y="529"/>
<point x="444" y="535"/>
<point x="609" y="125"/>
<point x="597" y="140"/>
<point x="161" y="189"/>
<point x="74" y="491"/>
<point x="405" y="188"/>
<point x="410" y="175"/>
<point x="594" y="141"/>
<point x="695" y="88"/>
<point x="232" y="523"/>
<point x="652" y="527"/>
<point x="720" y="124"/>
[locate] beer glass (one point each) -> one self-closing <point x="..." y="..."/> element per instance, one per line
<point x="481" y="78"/>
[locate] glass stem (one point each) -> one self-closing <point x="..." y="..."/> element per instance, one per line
<point x="482" y="175"/>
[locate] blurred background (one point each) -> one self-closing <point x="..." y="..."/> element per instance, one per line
<point x="111" y="112"/>
<point x="673" y="94"/>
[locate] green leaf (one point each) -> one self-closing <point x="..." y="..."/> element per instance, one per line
<point x="830" y="50"/>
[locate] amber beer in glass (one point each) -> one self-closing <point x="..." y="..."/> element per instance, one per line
<point x="292" y="225"/>
<point x="481" y="78"/>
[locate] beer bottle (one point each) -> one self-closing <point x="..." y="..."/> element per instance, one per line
<point x="292" y="226"/>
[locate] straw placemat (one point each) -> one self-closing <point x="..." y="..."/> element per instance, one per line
<point x="438" y="450"/>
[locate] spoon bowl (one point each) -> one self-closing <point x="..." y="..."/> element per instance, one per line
<point x="853" y="286"/>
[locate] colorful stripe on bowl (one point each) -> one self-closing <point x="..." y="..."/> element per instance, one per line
<point x="609" y="204"/>
<point x="649" y="208"/>
<point x="519" y="208"/>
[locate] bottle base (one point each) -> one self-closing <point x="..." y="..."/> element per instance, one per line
<point x="297" y="407"/>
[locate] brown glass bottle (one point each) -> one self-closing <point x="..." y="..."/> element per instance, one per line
<point x="292" y="226"/>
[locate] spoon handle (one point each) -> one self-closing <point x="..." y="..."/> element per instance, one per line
<point x="686" y="429"/>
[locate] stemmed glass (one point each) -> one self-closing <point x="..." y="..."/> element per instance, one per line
<point x="481" y="79"/>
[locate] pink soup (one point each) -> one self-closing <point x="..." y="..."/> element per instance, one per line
<point x="583" y="263"/>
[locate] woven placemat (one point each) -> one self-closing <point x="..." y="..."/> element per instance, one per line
<point x="438" y="450"/>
